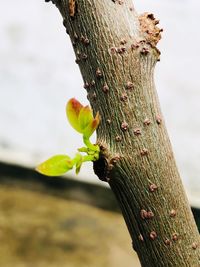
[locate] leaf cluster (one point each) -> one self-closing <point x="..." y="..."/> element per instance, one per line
<point x="81" y="119"/>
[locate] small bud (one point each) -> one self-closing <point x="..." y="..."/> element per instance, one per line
<point x="134" y="46"/>
<point x="194" y="245"/>
<point x="121" y="50"/>
<point x="147" y="122"/>
<point x="86" y="85"/>
<point x="84" y="56"/>
<point x="144" y="51"/>
<point x="153" y="235"/>
<point x="153" y="187"/>
<point x="158" y="120"/>
<point x="118" y="138"/>
<point x="129" y="85"/>
<point x="124" y="126"/>
<point x="167" y="242"/>
<point x="175" y="237"/>
<point x="150" y="215"/>
<point x="123" y="42"/>
<point x="94" y="96"/>
<point x="143" y="214"/>
<point x="120" y="2"/>
<point x="81" y="118"/>
<point x="137" y="131"/>
<point x="98" y="73"/>
<point x="105" y="88"/>
<point x="124" y="97"/>
<point x="113" y="50"/>
<point x="151" y="16"/>
<point x="92" y="83"/>
<point x="114" y="160"/>
<point x="172" y="213"/>
<point x="144" y="152"/>
<point x="84" y="40"/>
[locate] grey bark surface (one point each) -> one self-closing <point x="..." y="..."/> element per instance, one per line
<point x="116" y="52"/>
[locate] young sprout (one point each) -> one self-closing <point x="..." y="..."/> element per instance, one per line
<point x="81" y="119"/>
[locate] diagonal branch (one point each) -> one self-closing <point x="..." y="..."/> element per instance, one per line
<point x="116" y="52"/>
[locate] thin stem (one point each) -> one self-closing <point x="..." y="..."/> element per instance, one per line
<point x="92" y="147"/>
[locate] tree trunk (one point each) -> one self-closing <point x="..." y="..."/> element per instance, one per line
<point x="116" y="52"/>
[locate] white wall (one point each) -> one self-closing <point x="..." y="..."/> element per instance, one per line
<point x="38" y="76"/>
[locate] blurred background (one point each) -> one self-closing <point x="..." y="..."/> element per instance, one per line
<point x="66" y="222"/>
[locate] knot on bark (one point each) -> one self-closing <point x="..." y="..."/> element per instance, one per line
<point x="104" y="166"/>
<point x="101" y="168"/>
<point x="152" y="33"/>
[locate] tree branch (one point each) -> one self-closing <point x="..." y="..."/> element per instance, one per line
<point x="116" y="52"/>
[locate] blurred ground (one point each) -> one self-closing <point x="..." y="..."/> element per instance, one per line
<point x="59" y="222"/>
<point x="40" y="230"/>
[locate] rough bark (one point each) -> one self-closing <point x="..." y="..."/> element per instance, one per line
<point x="116" y="52"/>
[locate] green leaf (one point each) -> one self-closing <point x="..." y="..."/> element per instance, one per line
<point x="85" y="117"/>
<point x="79" y="161"/>
<point x="73" y="109"/>
<point x="81" y="118"/>
<point x="88" y="131"/>
<point x="56" y="165"/>
<point x="83" y="149"/>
